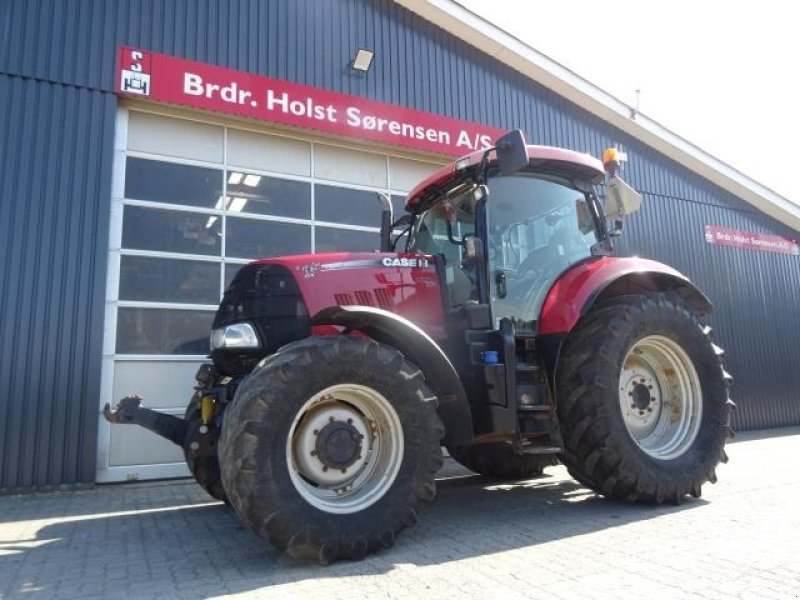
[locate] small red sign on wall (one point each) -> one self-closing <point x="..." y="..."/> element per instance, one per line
<point x="164" y="78"/>
<point x="722" y="236"/>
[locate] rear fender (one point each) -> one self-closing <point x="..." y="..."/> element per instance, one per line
<point x="586" y="284"/>
<point x="390" y="329"/>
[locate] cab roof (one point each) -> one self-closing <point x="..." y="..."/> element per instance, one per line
<point x="545" y="159"/>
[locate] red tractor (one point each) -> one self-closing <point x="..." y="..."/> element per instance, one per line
<point x="504" y="330"/>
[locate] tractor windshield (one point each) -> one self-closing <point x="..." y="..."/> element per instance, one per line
<point x="537" y="227"/>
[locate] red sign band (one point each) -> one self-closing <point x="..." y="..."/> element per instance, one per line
<point x="722" y="236"/>
<point x="171" y="80"/>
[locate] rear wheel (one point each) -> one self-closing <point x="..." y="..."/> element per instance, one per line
<point x="643" y="401"/>
<point x="329" y="447"/>
<point x="499" y="461"/>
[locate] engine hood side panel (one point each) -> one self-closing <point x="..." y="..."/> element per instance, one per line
<point x="405" y="284"/>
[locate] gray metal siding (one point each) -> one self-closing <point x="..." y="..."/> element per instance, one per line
<point x="57" y="68"/>
<point x="55" y="159"/>
<point x="755" y="296"/>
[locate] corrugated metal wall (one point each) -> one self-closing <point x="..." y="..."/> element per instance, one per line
<point x="56" y="128"/>
<point x="55" y="163"/>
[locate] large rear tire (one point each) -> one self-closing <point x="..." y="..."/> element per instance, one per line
<point x="643" y="401"/>
<point x="499" y="461"/>
<point x="329" y="447"/>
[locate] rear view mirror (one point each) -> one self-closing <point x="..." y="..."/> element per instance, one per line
<point x="512" y="155"/>
<point x="621" y="199"/>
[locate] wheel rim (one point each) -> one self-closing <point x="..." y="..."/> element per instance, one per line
<point x="660" y="397"/>
<point x="344" y="448"/>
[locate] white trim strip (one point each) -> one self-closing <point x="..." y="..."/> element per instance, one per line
<point x="198" y="358"/>
<point x="114" y="474"/>
<point x="166" y="305"/>
<point x="210" y="258"/>
<point x="347" y="226"/>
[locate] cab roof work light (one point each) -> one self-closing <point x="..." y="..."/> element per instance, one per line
<point x="613" y="159"/>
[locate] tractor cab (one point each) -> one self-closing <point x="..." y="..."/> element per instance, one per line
<point x="507" y="222"/>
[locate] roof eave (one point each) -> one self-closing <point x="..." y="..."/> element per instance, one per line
<point x="495" y="42"/>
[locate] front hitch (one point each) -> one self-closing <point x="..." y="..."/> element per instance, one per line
<point x="129" y="411"/>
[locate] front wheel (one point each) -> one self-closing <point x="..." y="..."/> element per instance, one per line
<point x="642" y="401"/>
<point x="329" y="447"/>
<point x="203" y="466"/>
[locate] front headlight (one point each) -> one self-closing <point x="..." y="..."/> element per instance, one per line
<point x="238" y="335"/>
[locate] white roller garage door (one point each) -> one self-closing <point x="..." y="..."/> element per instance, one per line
<point x="191" y="202"/>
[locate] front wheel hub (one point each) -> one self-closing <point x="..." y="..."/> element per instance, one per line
<point x="345" y="448"/>
<point x="338" y="444"/>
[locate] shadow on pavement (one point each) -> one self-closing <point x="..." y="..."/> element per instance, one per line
<point x="180" y="543"/>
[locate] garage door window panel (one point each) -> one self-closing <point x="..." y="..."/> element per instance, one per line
<point x="171" y="231"/>
<point x="171" y="183"/>
<point x="348" y="206"/>
<point x="398" y="205"/>
<point x="231" y="269"/>
<point x="329" y="239"/>
<point x="149" y="279"/>
<point x="258" y="194"/>
<point x="163" y="331"/>
<point x="167" y="136"/>
<point x="252" y="239"/>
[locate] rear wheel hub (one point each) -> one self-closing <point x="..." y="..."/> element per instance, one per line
<point x="640" y="396"/>
<point x="660" y="397"/>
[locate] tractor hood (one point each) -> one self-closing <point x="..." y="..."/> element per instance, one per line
<point x="406" y="284"/>
<point x="277" y="297"/>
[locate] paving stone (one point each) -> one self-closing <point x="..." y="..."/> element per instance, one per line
<point x="543" y="538"/>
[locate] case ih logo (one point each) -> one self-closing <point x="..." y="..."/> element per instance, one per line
<point x="722" y="236"/>
<point x="135" y="73"/>
<point x="198" y="85"/>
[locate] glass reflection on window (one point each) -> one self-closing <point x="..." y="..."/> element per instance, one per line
<point x="329" y="239"/>
<point x="163" y="331"/>
<point x="170" y="231"/>
<point x="149" y="279"/>
<point x="158" y="181"/>
<point x="262" y="195"/>
<point x="253" y="239"/>
<point x="351" y="207"/>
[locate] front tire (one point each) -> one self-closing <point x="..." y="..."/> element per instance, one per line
<point x="643" y="401"/>
<point x="329" y="447"/>
<point x="205" y="467"/>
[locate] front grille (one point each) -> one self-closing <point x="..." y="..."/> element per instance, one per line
<point x="380" y="298"/>
<point x="384" y="299"/>
<point x="343" y="299"/>
<point x="364" y="298"/>
<point x="268" y="297"/>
